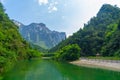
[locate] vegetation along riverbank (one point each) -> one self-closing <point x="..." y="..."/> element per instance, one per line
<point x="12" y="46"/>
<point x="99" y="38"/>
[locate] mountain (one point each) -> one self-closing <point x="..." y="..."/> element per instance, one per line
<point x="101" y="35"/>
<point x="12" y="45"/>
<point x="39" y="34"/>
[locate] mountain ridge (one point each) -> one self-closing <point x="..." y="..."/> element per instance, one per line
<point x="39" y="34"/>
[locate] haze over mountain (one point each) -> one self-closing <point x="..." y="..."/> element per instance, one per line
<point x="39" y="34"/>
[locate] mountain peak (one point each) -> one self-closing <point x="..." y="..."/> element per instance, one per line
<point x="108" y="9"/>
<point x="41" y="24"/>
<point x="38" y="27"/>
<point x="39" y="34"/>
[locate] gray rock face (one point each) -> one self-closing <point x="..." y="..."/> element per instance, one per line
<point x="39" y="34"/>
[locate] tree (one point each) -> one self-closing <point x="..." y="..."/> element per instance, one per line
<point x="69" y="53"/>
<point x="12" y="46"/>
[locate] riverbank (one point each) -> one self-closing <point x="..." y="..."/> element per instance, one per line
<point x="96" y="63"/>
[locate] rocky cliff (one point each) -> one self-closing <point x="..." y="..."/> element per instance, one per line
<point x="39" y="34"/>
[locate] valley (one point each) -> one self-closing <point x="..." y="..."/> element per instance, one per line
<point x="34" y="52"/>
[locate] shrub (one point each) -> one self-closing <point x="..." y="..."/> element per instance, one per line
<point x="69" y="53"/>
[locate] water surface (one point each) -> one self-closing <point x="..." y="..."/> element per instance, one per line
<point x="51" y="70"/>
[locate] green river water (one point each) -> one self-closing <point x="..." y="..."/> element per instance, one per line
<point x="51" y="70"/>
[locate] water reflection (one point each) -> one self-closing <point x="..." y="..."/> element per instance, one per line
<point x="51" y="70"/>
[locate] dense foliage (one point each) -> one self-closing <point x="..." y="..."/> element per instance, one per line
<point x="68" y="53"/>
<point x="12" y="46"/>
<point x="111" y="46"/>
<point x="101" y="35"/>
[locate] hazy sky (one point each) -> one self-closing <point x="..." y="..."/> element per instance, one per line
<point x="60" y="15"/>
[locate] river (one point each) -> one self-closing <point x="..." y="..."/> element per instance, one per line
<point x="52" y="70"/>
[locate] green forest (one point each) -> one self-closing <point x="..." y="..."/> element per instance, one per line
<point x="101" y="35"/>
<point x="12" y="46"/>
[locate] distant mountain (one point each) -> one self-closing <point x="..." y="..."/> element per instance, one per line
<point x="101" y="35"/>
<point x="39" y="34"/>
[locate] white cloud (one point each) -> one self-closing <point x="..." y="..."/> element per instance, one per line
<point x="43" y="2"/>
<point x="52" y="7"/>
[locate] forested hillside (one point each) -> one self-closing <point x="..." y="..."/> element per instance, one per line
<point x="101" y="35"/>
<point x="12" y="46"/>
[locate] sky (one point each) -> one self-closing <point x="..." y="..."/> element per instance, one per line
<point x="59" y="15"/>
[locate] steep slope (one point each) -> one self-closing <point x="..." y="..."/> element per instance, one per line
<point x="39" y="34"/>
<point x="93" y="38"/>
<point x="12" y="46"/>
<point x="111" y="46"/>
